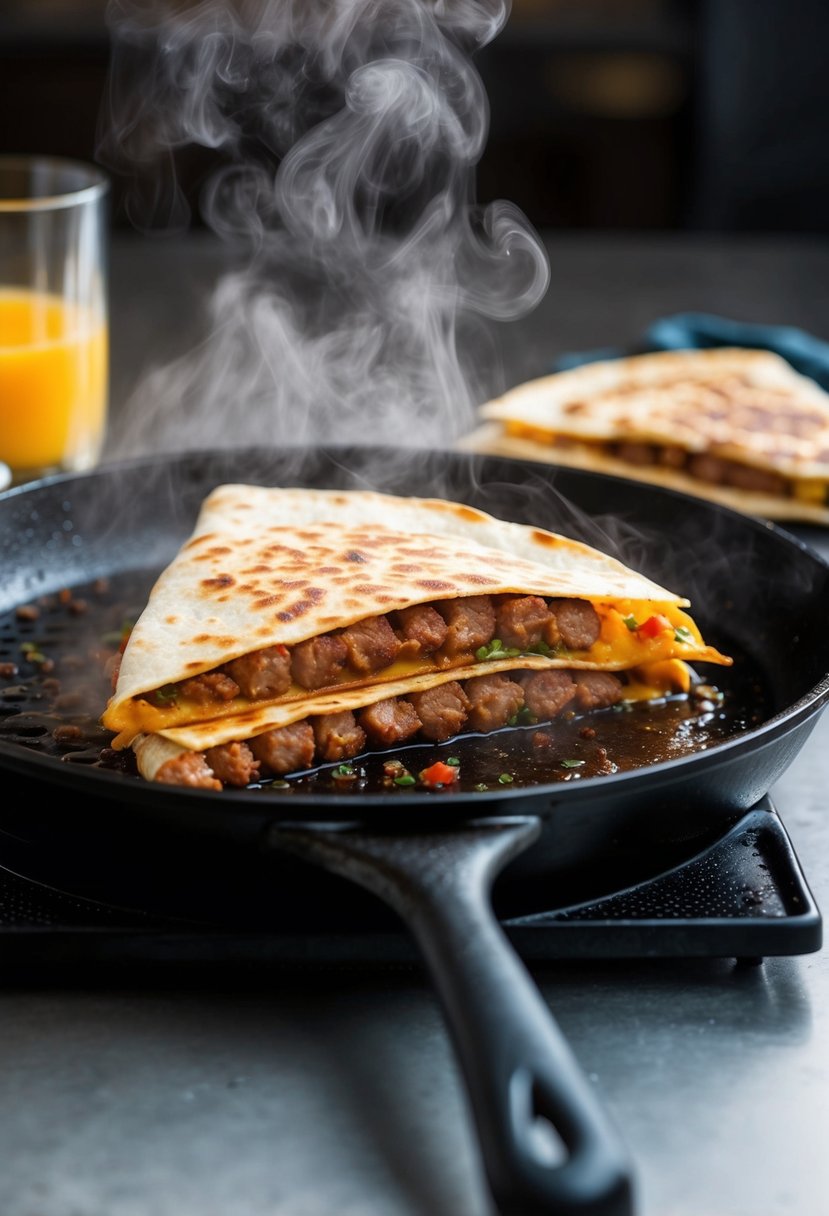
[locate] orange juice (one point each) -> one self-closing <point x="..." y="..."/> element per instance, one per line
<point x="53" y="382"/>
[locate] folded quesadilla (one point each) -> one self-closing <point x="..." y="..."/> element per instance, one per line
<point x="302" y="627"/>
<point x="739" y="427"/>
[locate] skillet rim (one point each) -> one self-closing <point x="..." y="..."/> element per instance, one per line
<point x="81" y="778"/>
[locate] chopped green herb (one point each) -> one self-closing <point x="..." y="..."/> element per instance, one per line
<point x="279" y="785"/>
<point x="343" y="770"/>
<point x="32" y="652"/>
<point x="506" y="779"/>
<point x="481" y="787"/>
<point x="406" y="779"/>
<point x="526" y="716"/>
<point x="572" y="763"/>
<point x="541" y="648"/>
<point x="631" y="622"/>
<point x="454" y="761"/>
<point x="165" y="695"/>
<point x="681" y="634"/>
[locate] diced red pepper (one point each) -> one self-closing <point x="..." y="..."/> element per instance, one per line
<point x="654" y="625"/>
<point x="439" y="774"/>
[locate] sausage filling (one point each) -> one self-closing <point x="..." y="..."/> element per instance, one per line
<point x="701" y="466"/>
<point x="445" y="634"/>
<point x="482" y="704"/>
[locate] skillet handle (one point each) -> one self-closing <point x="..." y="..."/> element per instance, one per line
<point x="548" y="1147"/>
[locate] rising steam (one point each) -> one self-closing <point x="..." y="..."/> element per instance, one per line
<point x="346" y="135"/>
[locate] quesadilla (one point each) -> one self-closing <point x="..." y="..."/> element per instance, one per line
<point x="738" y="427"/>
<point x="301" y="627"/>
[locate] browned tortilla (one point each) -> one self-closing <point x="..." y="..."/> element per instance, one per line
<point x="742" y="406"/>
<point x="271" y="566"/>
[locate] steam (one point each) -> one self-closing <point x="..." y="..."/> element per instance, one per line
<point x="347" y="132"/>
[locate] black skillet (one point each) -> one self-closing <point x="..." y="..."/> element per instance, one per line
<point x="547" y="1145"/>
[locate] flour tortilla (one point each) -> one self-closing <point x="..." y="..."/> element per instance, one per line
<point x="740" y="405"/>
<point x="268" y="566"/>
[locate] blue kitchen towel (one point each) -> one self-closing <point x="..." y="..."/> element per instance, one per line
<point x="701" y="331"/>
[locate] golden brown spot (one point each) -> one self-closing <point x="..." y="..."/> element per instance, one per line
<point x="267" y="601"/>
<point x="295" y="610"/>
<point x="218" y="550"/>
<point x="192" y="666"/>
<point x="200" y="540"/>
<point x="544" y="538"/>
<point x="171" y="620"/>
<point x="354" y="555"/>
<point x="405" y="569"/>
<point x="435" y="584"/>
<point x="260" y="569"/>
<point x="221" y="580"/>
<point x="368" y="589"/>
<point x="328" y="570"/>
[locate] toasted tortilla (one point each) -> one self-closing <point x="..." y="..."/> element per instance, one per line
<point x="742" y="406"/>
<point x="271" y="566"/>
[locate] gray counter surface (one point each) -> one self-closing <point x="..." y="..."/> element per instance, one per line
<point x="308" y="1094"/>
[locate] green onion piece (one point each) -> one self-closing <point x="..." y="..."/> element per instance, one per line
<point x="631" y="622"/>
<point x="481" y="786"/>
<point x="453" y="761"/>
<point x="512" y="720"/>
<point x="681" y="634"/>
<point x="406" y="779"/>
<point x="572" y="763"/>
<point x="344" y="770"/>
<point x="506" y="779"/>
<point x="166" y="694"/>
<point x="541" y="648"/>
<point x="526" y="717"/>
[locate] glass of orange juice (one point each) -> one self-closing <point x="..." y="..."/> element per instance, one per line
<point x="53" y="315"/>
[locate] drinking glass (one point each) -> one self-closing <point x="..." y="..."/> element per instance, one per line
<point x="53" y="315"/>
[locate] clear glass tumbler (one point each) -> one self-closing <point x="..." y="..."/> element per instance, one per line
<point x="54" y="366"/>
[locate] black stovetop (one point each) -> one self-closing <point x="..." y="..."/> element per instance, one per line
<point x="743" y="895"/>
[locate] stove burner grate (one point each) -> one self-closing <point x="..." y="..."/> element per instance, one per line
<point x="744" y="896"/>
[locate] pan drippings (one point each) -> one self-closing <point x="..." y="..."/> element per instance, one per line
<point x="54" y="683"/>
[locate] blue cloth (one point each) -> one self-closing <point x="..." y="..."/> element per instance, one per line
<point x="701" y="331"/>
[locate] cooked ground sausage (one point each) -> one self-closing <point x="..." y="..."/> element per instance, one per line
<point x="337" y="736"/>
<point x="389" y="722"/>
<point x="759" y="481"/>
<point x="597" y="689"/>
<point x="190" y="768"/>
<point x="636" y="453"/>
<point x="573" y="623"/>
<point x="232" y="763"/>
<point x="263" y="673"/>
<point x="423" y="626"/>
<point x="547" y="692"/>
<point x="285" y="749"/>
<point x="210" y="687"/>
<point x="520" y="621"/>
<point x="442" y="710"/>
<point x="492" y="701"/>
<point x="371" y="644"/>
<point x="319" y="661"/>
<point x="470" y="623"/>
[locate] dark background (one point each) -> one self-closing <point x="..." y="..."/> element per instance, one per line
<point x="606" y="114"/>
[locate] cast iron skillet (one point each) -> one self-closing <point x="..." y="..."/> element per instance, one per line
<point x="434" y="859"/>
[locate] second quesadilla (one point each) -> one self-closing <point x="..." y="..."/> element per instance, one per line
<point x="739" y="427"/>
